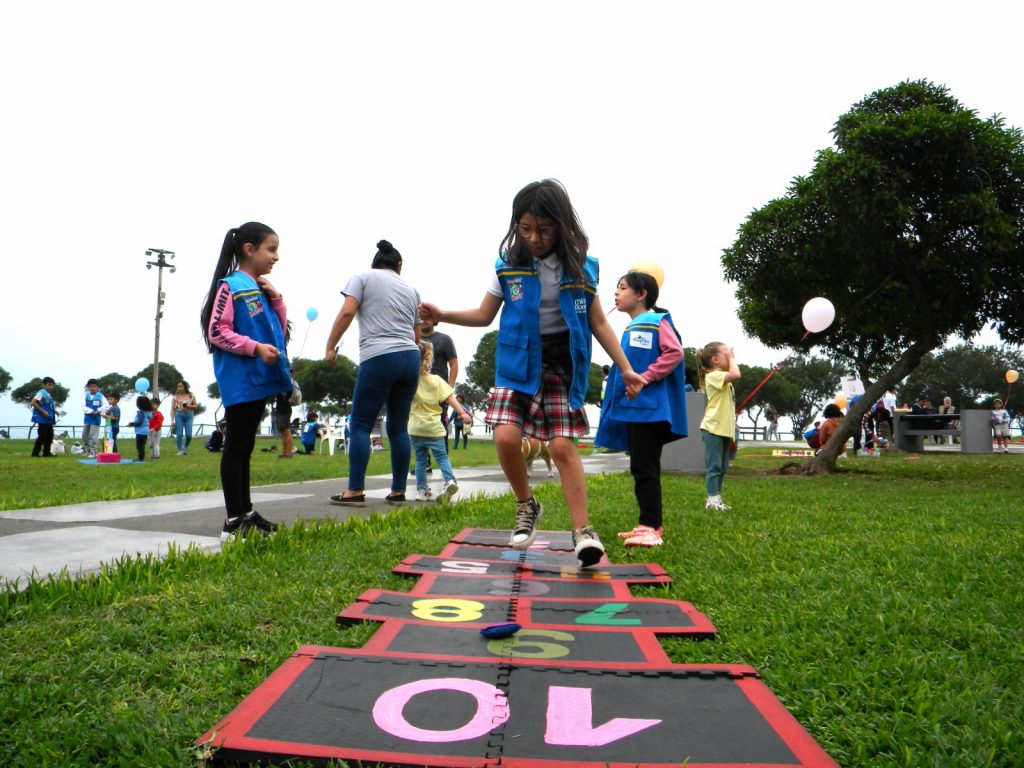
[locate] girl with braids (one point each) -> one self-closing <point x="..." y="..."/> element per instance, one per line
<point x="716" y="366"/>
<point x="243" y="322"/>
<point x="657" y="415"/>
<point x="545" y="285"/>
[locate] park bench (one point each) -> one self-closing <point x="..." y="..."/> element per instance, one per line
<point x="910" y="429"/>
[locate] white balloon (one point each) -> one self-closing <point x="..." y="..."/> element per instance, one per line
<point x="818" y="314"/>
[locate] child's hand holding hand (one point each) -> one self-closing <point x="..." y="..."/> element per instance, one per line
<point x="634" y="383"/>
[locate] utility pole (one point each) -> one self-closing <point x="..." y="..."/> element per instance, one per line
<point x="162" y="260"/>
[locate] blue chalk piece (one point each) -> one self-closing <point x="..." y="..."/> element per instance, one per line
<point x="499" y="631"/>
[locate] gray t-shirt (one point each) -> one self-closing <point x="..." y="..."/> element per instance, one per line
<point x="387" y="312"/>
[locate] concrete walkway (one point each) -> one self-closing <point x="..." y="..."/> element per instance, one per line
<point x="81" y="537"/>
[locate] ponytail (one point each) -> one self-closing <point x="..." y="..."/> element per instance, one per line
<point x="231" y="256"/>
<point x="704" y="361"/>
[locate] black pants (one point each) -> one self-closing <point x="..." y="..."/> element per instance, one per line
<point x="645" y="442"/>
<point x="243" y="421"/>
<point x="44" y="439"/>
<point x="140" y="445"/>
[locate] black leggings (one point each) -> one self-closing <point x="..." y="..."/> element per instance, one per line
<point x="44" y="439"/>
<point x="645" y="442"/>
<point x="243" y="420"/>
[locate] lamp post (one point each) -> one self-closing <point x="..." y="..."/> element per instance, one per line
<point x="162" y="260"/>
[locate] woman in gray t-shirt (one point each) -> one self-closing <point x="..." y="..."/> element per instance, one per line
<point x="389" y="366"/>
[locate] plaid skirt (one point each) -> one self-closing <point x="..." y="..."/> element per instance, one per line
<point x="545" y="414"/>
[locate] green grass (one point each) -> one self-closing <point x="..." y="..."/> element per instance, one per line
<point x="30" y="483"/>
<point x="882" y="605"/>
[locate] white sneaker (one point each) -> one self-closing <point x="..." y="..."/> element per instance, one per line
<point x="450" y="489"/>
<point x="716" y="503"/>
<point x="423" y="494"/>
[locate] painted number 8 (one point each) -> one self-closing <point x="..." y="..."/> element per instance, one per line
<point x="447" y="610"/>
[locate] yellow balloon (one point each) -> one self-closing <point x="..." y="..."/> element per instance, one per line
<point x="840" y="401"/>
<point x="652" y="269"/>
<point x="1011" y="376"/>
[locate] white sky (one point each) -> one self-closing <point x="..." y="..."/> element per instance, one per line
<point x="129" y="125"/>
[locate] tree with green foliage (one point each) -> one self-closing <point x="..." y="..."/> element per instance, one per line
<point x="481" y="368"/>
<point x="5" y="381"/>
<point x="471" y="394"/>
<point x="24" y="394"/>
<point x="329" y="387"/>
<point x="169" y="378"/>
<point x="778" y="391"/>
<point x="116" y="384"/>
<point x="971" y="375"/>
<point x="815" y="381"/>
<point x="912" y="225"/>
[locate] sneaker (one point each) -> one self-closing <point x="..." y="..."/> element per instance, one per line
<point x="525" y="532"/>
<point x="257" y="521"/>
<point x="423" y="494"/>
<point x="235" y="527"/>
<point x="450" y="489"/>
<point x="630" y="534"/>
<point x="644" y="536"/>
<point x="717" y="504"/>
<point x="589" y="548"/>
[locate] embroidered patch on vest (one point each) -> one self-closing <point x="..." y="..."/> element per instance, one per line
<point x="515" y="289"/>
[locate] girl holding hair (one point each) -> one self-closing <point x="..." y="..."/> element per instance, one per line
<point x="243" y="323"/>
<point x="426" y="432"/>
<point x="184" y="406"/>
<point x="657" y="415"/>
<point x="545" y="285"/>
<point x="716" y="366"/>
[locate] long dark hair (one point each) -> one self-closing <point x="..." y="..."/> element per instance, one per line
<point x="547" y="199"/>
<point x="641" y="281"/>
<point x="231" y="256"/>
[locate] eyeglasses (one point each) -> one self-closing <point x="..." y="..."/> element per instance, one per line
<point x="546" y="232"/>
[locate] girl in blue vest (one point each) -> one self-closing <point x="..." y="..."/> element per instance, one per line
<point x="654" y="416"/>
<point x="545" y="285"/>
<point x="244" y="321"/>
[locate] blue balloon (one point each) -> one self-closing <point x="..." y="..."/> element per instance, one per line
<point x="142" y="384"/>
<point x="311" y="314"/>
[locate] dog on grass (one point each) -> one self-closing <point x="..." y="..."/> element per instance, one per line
<point x="534" y="448"/>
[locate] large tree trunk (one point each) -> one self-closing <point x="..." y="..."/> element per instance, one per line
<point x="825" y="461"/>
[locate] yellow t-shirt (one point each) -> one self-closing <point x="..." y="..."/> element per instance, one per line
<point x="425" y="416"/>
<point x="720" y="413"/>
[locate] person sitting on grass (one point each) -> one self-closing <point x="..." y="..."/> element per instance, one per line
<point x="828" y="427"/>
<point x="216" y="441"/>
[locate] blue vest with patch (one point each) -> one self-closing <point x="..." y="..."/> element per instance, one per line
<point x="517" y="357"/>
<point x="94" y="402"/>
<point x="46" y="402"/>
<point x="663" y="400"/>
<point x="244" y="379"/>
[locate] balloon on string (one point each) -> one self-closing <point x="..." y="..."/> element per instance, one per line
<point x="142" y="384"/>
<point x="818" y="314"/>
<point x="1012" y="376"/>
<point x="840" y="402"/>
<point x="311" y="314"/>
<point x="652" y="269"/>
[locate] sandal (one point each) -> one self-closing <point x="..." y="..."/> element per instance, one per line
<point x="349" y="501"/>
<point x="398" y="499"/>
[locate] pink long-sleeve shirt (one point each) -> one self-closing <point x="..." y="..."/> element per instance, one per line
<point x="671" y="354"/>
<point x="222" y="324"/>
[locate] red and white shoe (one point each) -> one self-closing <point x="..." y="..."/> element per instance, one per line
<point x="644" y="536"/>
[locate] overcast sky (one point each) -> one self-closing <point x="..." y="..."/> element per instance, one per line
<point x="131" y="125"/>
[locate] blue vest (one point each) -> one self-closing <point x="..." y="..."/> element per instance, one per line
<point x="517" y="358"/>
<point x="94" y="402"/>
<point x="244" y="379"/>
<point x="664" y="400"/>
<point x="46" y="401"/>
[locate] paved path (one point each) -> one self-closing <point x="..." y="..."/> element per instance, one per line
<point x="81" y="537"/>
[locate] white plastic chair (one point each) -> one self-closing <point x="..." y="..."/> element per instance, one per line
<point x="332" y="440"/>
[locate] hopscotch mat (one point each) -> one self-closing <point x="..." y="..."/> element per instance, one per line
<point x="583" y="682"/>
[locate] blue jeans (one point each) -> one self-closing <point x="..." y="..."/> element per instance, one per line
<point x="436" y="444"/>
<point x="716" y="461"/>
<point x="386" y="380"/>
<point x="183" y="428"/>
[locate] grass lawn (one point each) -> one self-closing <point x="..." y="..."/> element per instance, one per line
<point x="882" y="605"/>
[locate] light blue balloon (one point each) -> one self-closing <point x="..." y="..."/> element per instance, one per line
<point x="311" y="314"/>
<point x="142" y="384"/>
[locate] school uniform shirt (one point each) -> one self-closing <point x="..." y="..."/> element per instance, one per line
<point x="720" y="412"/>
<point x="243" y="317"/>
<point x="651" y="344"/>
<point x="425" y="416"/>
<point x="45" y="400"/>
